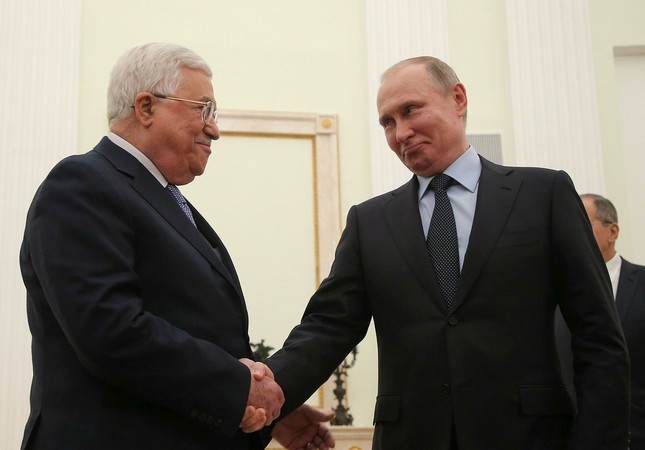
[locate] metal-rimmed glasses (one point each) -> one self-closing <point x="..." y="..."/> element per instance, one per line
<point x="208" y="108"/>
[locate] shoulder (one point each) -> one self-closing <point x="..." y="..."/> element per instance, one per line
<point x="540" y="179"/>
<point x="95" y="159"/>
<point x="521" y="171"/>
<point x="405" y="191"/>
<point x="92" y="176"/>
<point x="632" y="268"/>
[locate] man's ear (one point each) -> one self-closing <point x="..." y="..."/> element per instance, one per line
<point x="144" y="108"/>
<point x="460" y="97"/>
<point x="614" y="230"/>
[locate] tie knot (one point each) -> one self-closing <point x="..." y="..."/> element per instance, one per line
<point x="440" y="182"/>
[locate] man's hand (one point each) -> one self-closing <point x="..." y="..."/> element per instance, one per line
<point x="265" y="398"/>
<point x="303" y="430"/>
<point x="258" y="370"/>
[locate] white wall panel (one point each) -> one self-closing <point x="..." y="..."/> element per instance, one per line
<point x="39" y="43"/>
<point x="395" y="31"/>
<point x="553" y="90"/>
<point x="630" y="72"/>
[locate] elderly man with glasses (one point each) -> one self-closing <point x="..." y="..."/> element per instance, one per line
<point x="140" y="330"/>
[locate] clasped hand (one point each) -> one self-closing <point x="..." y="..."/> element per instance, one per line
<point x="265" y="398"/>
<point x="304" y="428"/>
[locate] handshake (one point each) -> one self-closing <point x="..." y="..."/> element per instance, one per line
<point x="304" y="428"/>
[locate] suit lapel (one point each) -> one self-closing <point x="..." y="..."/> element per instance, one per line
<point x="218" y="248"/>
<point x="495" y="197"/>
<point x="404" y="222"/>
<point x="626" y="288"/>
<point x="152" y="192"/>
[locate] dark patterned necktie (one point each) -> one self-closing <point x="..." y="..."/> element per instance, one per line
<point x="442" y="239"/>
<point x="174" y="190"/>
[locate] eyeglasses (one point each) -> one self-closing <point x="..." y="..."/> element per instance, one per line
<point x="208" y="108"/>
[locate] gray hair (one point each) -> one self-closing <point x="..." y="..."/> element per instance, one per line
<point x="154" y="68"/>
<point x="605" y="210"/>
<point x="440" y="74"/>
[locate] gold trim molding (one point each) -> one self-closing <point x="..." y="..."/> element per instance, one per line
<point x="322" y="130"/>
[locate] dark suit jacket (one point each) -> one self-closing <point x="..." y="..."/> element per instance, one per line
<point x="491" y="365"/>
<point x="630" y="303"/>
<point x="137" y="324"/>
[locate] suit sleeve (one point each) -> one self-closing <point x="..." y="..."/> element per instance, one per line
<point x="601" y="365"/>
<point x="83" y="247"/>
<point x="335" y="320"/>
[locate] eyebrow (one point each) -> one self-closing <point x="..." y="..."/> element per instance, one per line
<point x="206" y="98"/>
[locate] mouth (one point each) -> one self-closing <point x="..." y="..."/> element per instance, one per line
<point x="206" y="144"/>
<point x="409" y="150"/>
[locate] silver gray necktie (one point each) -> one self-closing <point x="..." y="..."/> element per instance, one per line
<point x="174" y="190"/>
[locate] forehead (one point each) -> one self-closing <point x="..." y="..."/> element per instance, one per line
<point x="196" y="84"/>
<point x="404" y="84"/>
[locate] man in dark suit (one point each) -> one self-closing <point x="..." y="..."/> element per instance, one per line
<point x="467" y="357"/>
<point x="137" y="315"/>
<point x="628" y="282"/>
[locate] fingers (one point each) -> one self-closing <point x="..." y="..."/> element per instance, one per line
<point x="323" y="440"/>
<point x="327" y="438"/>
<point x="253" y="419"/>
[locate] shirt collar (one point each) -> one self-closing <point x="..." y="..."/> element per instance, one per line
<point x="465" y="170"/>
<point x="143" y="159"/>
<point x="614" y="262"/>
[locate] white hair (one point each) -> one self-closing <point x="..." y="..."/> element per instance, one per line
<point x="154" y="68"/>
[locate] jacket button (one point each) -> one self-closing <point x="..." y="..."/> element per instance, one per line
<point x="452" y="320"/>
<point x="445" y="388"/>
<point x="214" y="422"/>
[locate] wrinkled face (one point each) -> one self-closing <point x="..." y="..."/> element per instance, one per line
<point x="605" y="233"/>
<point x="181" y="141"/>
<point x="422" y="126"/>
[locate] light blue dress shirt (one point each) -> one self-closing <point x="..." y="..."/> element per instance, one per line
<point x="462" y="193"/>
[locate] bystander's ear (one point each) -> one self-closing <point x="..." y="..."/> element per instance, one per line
<point x="614" y="229"/>
<point x="144" y="108"/>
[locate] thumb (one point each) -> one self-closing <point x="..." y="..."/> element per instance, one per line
<point x="316" y="415"/>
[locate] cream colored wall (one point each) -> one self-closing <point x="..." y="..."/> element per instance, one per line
<point x="478" y="53"/>
<point x="618" y="24"/>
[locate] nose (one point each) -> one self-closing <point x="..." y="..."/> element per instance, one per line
<point x="212" y="130"/>
<point x="403" y="132"/>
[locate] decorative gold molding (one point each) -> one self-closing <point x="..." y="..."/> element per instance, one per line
<point x="322" y="131"/>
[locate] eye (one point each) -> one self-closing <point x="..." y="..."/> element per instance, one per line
<point x="408" y="109"/>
